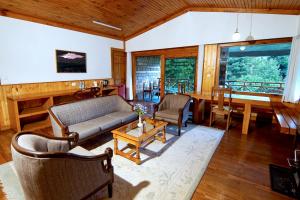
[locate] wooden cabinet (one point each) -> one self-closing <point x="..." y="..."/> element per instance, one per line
<point x="30" y="112"/>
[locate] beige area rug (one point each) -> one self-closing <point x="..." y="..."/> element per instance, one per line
<point x="168" y="171"/>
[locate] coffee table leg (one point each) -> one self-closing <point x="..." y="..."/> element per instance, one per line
<point x="163" y="137"/>
<point x="116" y="146"/>
<point x="138" y="158"/>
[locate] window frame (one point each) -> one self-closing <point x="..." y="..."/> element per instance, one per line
<point x="247" y="43"/>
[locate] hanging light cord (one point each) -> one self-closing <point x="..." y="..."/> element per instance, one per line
<point x="251" y="24"/>
<point x="237" y="22"/>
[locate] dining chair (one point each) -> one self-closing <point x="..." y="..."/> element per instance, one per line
<point x="217" y="107"/>
<point x="147" y="89"/>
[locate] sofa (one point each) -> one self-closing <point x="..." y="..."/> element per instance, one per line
<point x="91" y="117"/>
<point x="53" y="168"/>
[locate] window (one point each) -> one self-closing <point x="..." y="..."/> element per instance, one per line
<point x="259" y="68"/>
<point x="180" y="71"/>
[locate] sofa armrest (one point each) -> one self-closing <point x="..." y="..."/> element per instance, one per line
<point x="59" y="129"/>
<point x="123" y="105"/>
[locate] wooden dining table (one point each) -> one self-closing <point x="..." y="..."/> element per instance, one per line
<point x="247" y="101"/>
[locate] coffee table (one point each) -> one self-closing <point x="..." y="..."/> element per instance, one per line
<point x="136" y="137"/>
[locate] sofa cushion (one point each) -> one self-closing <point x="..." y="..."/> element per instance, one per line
<point x="85" y="129"/>
<point x="123" y="116"/>
<point x="106" y="122"/>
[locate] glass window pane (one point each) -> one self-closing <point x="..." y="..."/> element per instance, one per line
<point x="255" y="68"/>
<point x="180" y="71"/>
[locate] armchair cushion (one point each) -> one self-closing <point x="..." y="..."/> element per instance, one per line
<point x="167" y="115"/>
<point x="81" y="151"/>
<point x="42" y="144"/>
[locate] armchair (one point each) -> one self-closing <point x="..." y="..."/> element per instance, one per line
<point x="173" y="108"/>
<point x="48" y="167"/>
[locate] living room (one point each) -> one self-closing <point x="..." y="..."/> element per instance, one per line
<point x="149" y="99"/>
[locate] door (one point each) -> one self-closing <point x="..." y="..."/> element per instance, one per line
<point x="118" y="66"/>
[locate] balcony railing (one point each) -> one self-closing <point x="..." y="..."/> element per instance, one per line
<point x="171" y="85"/>
<point x="258" y="87"/>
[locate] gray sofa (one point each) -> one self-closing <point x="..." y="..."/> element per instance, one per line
<point x="91" y="117"/>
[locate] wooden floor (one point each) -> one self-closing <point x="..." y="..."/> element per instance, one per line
<point x="238" y="169"/>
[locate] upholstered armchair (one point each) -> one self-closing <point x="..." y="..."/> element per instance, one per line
<point x="50" y="168"/>
<point x="173" y="108"/>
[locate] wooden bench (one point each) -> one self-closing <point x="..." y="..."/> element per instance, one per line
<point x="287" y="118"/>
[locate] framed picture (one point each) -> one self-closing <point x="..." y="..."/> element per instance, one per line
<point x="70" y="62"/>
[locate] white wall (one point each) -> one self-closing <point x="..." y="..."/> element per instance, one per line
<point x="196" y="28"/>
<point x="27" y="52"/>
<point x="299" y="25"/>
<point x="199" y="28"/>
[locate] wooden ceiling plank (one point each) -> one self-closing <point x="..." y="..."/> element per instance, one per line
<point x="56" y="24"/>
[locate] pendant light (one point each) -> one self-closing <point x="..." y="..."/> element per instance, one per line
<point x="236" y="35"/>
<point x="250" y="37"/>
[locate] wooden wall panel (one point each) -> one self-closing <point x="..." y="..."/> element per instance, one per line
<point x="33" y="88"/>
<point x="209" y="68"/>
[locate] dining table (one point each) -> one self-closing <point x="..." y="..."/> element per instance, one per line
<point x="246" y="101"/>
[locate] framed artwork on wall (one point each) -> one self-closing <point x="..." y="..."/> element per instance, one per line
<point x="70" y="62"/>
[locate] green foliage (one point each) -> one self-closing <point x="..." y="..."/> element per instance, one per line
<point x="180" y="69"/>
<point x="257" y="69"/>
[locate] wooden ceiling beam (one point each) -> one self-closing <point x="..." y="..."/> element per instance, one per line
<point x="246" y="10"/>
<point x="7" y="13"/>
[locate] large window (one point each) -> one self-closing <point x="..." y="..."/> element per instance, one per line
<point x="259" y="68"/>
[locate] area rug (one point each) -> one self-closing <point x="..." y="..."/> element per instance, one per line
<point x="168" y="171"/>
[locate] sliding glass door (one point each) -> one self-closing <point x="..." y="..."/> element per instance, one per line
<point x="180" y="75"/>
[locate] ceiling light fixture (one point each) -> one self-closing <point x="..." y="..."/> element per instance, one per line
<point x="106" y="25"/>
<point x="236" y="35"/>
<point x="250" y="37"/>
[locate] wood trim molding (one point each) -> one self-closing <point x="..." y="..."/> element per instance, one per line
<point x="7" y="13"/>
<point x="190" y="51"/>
<point x="246" y="10"/>
<point x="246" y="43"/>
<point x="157" y="23"/>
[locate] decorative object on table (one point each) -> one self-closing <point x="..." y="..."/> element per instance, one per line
<point x="140" y="110"/>
<point x="70" y="62"/>
<point x="105" y="83"/>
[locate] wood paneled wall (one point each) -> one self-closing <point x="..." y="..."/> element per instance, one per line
<point x="209" y="68"/>
<point x="33" y="88"/>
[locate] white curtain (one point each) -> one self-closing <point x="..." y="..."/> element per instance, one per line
<point x="292" y="86"/>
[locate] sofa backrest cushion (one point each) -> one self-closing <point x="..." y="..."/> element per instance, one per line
<point x="84" y="110"/>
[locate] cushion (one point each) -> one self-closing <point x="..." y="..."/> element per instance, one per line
<point x="84" y="110"/>
<point x="167" y="114"/>
<point x="85" y="129"/>
<point x="124" y="116"/>
<point x="81" y="151"/>
<point x="106" y="122"/>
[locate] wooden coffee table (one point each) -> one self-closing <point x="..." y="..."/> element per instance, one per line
<point x="136" y="137"/>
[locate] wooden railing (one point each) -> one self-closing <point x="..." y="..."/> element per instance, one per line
<point x="259" y="87"/>
<point x="171" y="84"/>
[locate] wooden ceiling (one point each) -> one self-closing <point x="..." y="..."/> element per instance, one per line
<point x="133" y="16"/>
